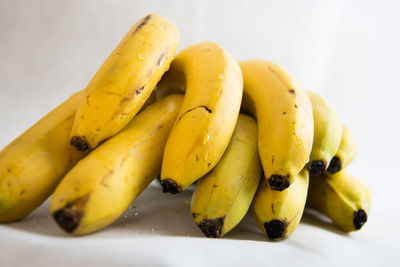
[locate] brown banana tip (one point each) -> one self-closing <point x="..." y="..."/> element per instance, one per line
<point x="170" y="186"/>
<point x="360" y="218"/>
<point x="67" y="218"/>
<point x="335" y="165"/>
<point x="278" y="182"/>
<point x="317" y="167"/>
<point x="212" y="228"/>
<point x="275" y="229"/>
<point x="80" y="143"/>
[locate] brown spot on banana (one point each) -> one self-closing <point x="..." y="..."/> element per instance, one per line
<point x="138" y="91"/>
<point x="144" y="22"/>
<point x="205" y="107"/>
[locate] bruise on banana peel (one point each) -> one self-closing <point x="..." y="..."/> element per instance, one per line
<point x="341" y="197"/>
<point x="285" y="121"/>
<point x="213" y="85"/>
<point x="278" y="213"/>
<point x="101" y="187"/>
<point x="222" y="197"/>
<point x="33" y="164"/>
<point x="124" y="81"/>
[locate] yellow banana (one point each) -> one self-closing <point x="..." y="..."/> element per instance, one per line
<point x="207" y="119"/>
<point x="33" y="164"/>
<point x="124" y="81"/>
<point x="102" y="186"/>
<point x="223" y="196"/>
<point x="342" y="198"/>
<point x="346" y="153"/>
<point x="327" y="134"/>
<point x="284" y="117"/>
<point x="278" y="213"/>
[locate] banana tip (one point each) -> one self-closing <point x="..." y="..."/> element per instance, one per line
<point x="67" y="218"/>
<point x="170" y="186"/>
<point x="317" y="167"/>
<point x="275" y="229"/>
<point x="278" y="182"/>
<point x="212" y="228"/>
<point x="335" y="165"/>
<point x="80" y="143"/>
<point x="360" y="218"/>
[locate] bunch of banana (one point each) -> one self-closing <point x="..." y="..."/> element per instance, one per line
<point x="223" y="196"/>
<point x="184" y="138"/>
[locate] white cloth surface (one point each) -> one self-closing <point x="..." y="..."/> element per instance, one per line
<point x="345" y="50"/>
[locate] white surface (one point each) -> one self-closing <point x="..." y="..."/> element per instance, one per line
<point x="346" y="50"/>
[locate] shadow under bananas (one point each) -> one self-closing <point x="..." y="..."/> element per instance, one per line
<point x="152" y="214"/>
<point x="314" y="218"/>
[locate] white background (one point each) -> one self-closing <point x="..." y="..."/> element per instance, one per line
<point x="345" y="50"/>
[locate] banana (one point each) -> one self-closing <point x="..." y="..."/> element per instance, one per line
<point x="341" y="197"/>
<point x="222" y="198"/>
<point x="102" y="186"/>
<point x="206" y="121"/>
<point x="278" y="213"/>
<point x="346" y="153"/>
<point x="124" y="81"/>
<point x="284" y="116"/>
<point x="327" y="134"/>
<point x="33" y="164"/>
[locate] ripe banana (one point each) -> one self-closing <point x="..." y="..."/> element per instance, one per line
<point x="342" y="198"/>
<point x="207" y="119"/>
<point x="284" y="116"/>
<point x="222" y="198"/>
<point x="33" y="164"/>
<point x="346" y="153"/>
<point x="327" y="134"/>
<point x="278" y="213"/>
<point x="102" y="186"/>
<point x="124" y="81"/>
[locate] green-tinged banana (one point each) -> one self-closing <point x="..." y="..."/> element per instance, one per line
<point x="341" y="197"/>
<point x="32" y="165"/>
<point x="284" y="118"/>
<point x="223" y="196"/>
<point x="278" y="213"/>
<point x="102" y="186"/>
<point x="346" y="153"/>
<point x="327" y="134"/>
<point x="206" y="121"/>
<point x="124" y="81"/>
